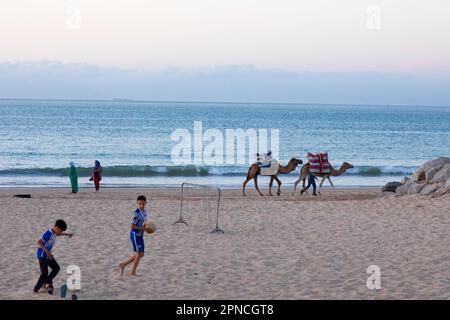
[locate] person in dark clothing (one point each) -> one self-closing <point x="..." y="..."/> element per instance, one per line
<point x="311" y="181"/>
<point x="97" y="175"/>
<point x="46" y="258"/>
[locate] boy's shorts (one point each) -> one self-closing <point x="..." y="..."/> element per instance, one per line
<point x="137" y="241"/>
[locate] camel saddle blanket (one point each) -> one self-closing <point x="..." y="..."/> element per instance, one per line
<point x="270" y="169"/>
<point x="263" y="159"/>
<point x="318" y="163"/>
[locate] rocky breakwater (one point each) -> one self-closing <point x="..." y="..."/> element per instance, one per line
<point x="431" y="178"/>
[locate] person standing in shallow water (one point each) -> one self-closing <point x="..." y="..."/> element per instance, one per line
<point x="97" y="175"/>
<point x="73" y="177"/>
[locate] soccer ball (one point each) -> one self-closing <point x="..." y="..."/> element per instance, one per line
<point x="150" y="226"/>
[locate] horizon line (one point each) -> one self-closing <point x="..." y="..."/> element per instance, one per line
<point x="124" y="100"/>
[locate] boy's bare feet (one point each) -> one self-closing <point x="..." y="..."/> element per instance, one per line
<point x="133" y="274"/>
<point x="121" y="267"/>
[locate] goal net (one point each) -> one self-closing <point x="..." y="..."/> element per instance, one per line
<point x="199" y="206"/>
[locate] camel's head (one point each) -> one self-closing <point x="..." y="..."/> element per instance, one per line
<point x="347" y="165"/>
<point x="296" y="162"/>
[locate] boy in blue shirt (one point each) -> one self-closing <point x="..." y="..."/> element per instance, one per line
<point x="138" y="226"/>
<point x="45" y="257"/>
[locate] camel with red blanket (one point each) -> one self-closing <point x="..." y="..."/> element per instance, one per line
<point x="319" y="166"/>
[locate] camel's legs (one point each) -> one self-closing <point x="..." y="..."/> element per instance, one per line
<point x="270" y="185"/>
<point x="329" y="179"/>
<point x="295" y="186"/>
<point x="321" y="183"/>
<point x="244" y="185"/>
<point x="304" y="185"/>
<point x="300" y="178"/>
<point x="279" y="185"/>
<point x="297" y="182"/>
<point x="255" y="179"/>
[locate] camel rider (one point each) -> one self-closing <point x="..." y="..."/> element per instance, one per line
<point x="311" y="181"/>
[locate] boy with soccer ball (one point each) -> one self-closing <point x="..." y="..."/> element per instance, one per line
<point x="138" y="227"/>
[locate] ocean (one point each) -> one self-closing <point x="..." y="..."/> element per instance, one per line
<point x="132" y="140"/>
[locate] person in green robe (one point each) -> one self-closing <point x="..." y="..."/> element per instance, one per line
<point x="73" y="177"/>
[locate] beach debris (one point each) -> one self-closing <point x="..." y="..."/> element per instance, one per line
<point x="63" y="291"/>
<point x="431" y="178"/>
<point x="22" y="195"/>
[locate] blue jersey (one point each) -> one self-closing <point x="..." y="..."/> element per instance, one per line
<point x="48" y="239"/>
<point x="139" y="219"/>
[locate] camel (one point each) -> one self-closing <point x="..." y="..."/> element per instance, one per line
<point x="325" y="176"/>
<point x="254" y="171"/>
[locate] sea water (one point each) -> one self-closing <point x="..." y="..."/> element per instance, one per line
<point x="132" y="140"/>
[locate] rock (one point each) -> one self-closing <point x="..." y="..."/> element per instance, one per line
<point x="414" y="188"/>
<point x="391" y="186"/>
<point x="442" y="175"/>
<point x="403" y="189"/>
<point x="405" y="180"/>
<point x="409" y="188"/>
<point x="441" y="192"/>
<point x="427" y="171"/>
<point x="431" y="173"/>
<point x="432" y="178"/>
<point x="430" y="188"/>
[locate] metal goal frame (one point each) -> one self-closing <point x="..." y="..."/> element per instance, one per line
<point x="204" y="187"/>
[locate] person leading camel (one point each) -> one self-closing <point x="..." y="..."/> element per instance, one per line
<point x="325" y="176"/>
<point x="311" y="181"/>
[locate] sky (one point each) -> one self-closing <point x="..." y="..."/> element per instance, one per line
<point x="203" y="49"/>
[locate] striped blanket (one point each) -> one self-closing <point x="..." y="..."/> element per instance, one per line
<point x="318" y="163"/>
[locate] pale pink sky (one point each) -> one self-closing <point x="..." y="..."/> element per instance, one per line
<point x="319" y="35"/>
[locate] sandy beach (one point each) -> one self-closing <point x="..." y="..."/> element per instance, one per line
<point x="286" y="247"/>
